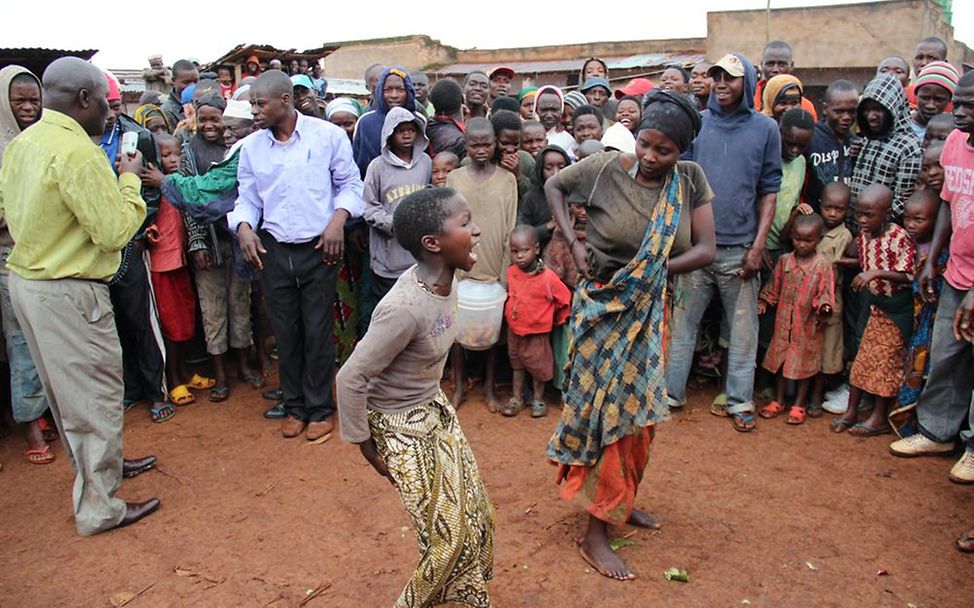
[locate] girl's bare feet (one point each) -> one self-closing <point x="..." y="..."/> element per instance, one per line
<point x="642" y="519"/>
<point x="595" y="550"/>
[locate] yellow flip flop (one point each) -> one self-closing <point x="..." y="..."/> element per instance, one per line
<point x="200" y="383"/>
<point x="180" y="395"/>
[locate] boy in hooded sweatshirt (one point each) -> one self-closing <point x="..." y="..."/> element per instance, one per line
<point x="740" y="152"/>
<point x="891" y="153"/>
<point x="20" y="107"/>
<point x="401" y="169"/>
<point x="394" y="90"/>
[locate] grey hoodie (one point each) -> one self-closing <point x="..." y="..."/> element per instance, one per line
<point x="387" y="180"/>
<point x="9" y="129"/>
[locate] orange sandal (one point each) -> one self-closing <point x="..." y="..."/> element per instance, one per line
<point x="772" y="410"/>
<point x="42" y="456"/>
<point x="796" y="415"/>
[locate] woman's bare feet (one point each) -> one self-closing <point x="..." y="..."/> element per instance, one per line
<point x="595" y="550"/>
<point x="641" y="519"/>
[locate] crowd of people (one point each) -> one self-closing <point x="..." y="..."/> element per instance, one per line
<point x="253" y="217"/>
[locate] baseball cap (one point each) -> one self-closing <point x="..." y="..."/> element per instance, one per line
<point x="501" y="71"/>
<point x="302" y="80"/>
<point x="731" y="64"/>
<point x="636" y="86"/>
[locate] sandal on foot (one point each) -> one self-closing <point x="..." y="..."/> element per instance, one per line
<point x="840" y="425"/>
<point x="256" y="381"/>
<point x="772" y="410"/>
<point x="180" y="395"/>
<point x="513" y="407"/>
<point x="49" y="432"/>
<point x="201" y="383"/>
<point x="796" y="415"/>
<point x="539" y="409"/>
<point x="219" y="393"/>
<point x="743" y="422"/>
<point x="864" y="429"/>
<point x="719" y="406"/>
<point x="41" y="456"/>
<point x="162" y="413"/>
<point x="814" y="411"/>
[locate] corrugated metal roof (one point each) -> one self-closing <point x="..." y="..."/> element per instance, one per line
<point x="266" y="52"/>
<point x="130" y="81"/>
<point x="648" y="60"/>
<point x="37" y="59"/>
<point x="347" y="86"/>
<point x="13" y="52"/>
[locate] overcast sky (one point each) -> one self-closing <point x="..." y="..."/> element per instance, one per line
<point x="127" y="37"/>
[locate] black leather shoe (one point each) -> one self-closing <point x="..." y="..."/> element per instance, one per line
<point x="276" y="413"/>
<point x="273" y="394"/>
<point x="131" y="468"/>
<point x="134" y="511"/>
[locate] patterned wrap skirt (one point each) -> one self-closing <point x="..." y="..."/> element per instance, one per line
<point x="441" y="489"/>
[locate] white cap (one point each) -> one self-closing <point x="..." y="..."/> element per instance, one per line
<point x="237" y="108"/>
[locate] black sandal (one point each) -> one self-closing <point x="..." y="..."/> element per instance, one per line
<point x="219" y="393"/>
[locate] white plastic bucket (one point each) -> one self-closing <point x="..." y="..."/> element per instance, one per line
<point x="480" y="313"/>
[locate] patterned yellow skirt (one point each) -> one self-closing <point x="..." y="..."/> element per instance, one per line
<point x="440" y="486"/>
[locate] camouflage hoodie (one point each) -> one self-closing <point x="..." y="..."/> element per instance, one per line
<point x="892" y="157"/>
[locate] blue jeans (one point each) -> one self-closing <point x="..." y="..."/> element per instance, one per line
<point x="26" y="393"/>
<point x="740" y="300"/>
<point x="945" y="403"/>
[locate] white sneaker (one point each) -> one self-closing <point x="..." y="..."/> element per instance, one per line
<point x="836" y="406"/>
<point x="963" y="471"/>
<point x="673" y="403"/>
<point x="841" y="393"/>
<point x="919" y="445"/>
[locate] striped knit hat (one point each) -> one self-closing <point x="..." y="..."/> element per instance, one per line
<point x="939" y="73"/>
<point x="575" y="99"/>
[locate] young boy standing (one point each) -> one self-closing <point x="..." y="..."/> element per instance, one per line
<point x="403" y="168"/>
<point x="392" y="406"/>
<point x="835" y="208"/>
<point x="537" y="301"/>
<point x="492" y="196"/>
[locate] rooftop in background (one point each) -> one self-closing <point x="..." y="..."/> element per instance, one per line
<point x="130" y="81"/>
<point x="37" y="59"/>
<point x="341" y="87"/>
<point x="646" y="62"/>
<point x="265" y="52"/>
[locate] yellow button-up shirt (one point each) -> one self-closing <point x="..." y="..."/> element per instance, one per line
<point x="67" y="212"/>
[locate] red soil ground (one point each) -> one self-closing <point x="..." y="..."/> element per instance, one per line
<point x="785" y="516"/>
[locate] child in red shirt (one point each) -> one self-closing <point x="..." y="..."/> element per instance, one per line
<point x="173" y="287"/>
<point x="537" y="301"/>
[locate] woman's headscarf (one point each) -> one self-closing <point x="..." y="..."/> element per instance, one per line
<point x="672" y="115"/>
<point x="207" y="153"/>
<point x="548" y="89"/>
<point x="775" y="88"/>
<point x="342" y="104"/>
<point x="148" y="110"/>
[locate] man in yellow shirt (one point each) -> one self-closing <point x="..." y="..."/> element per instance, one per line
<point x="69" y="217"/>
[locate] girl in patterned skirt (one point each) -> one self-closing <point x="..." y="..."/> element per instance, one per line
<point x="886" y="255"/>
<point x="391" y="405"/>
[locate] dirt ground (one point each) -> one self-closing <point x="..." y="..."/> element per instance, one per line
<point x="784" y="516"/>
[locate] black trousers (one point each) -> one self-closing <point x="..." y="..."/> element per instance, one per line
<point x="381" y="286"/>
<point x="299" y="290"/>
<point x="143" y="366"/>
